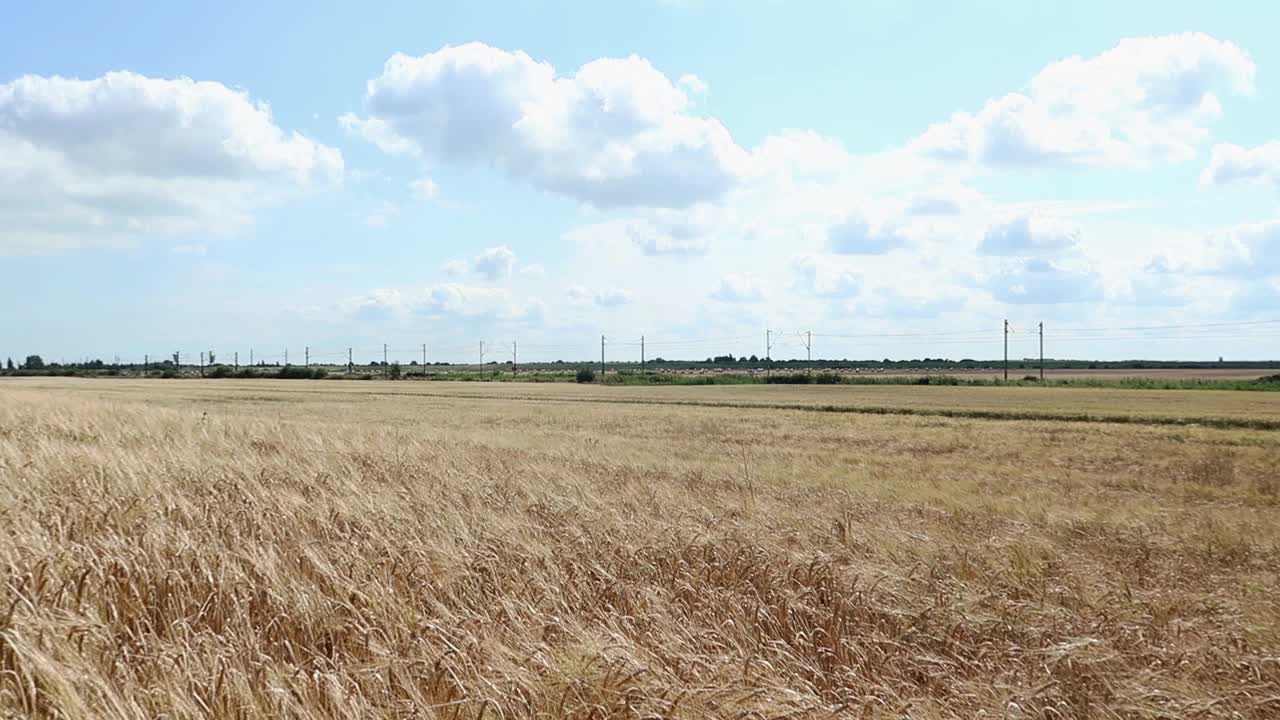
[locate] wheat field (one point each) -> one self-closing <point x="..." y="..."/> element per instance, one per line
<point x="225" y="549"/>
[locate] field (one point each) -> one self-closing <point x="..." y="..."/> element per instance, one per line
<point x="317" y="549"/>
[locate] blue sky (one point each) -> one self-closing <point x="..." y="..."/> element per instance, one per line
<point x="894" y="177"/>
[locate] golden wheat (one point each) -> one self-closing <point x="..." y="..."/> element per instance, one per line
<point x="316" y="550"/>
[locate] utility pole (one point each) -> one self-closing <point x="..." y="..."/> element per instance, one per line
<point x="481" y="356"/>
<point x="808" y="350"/>
<point x="235" y="359"/>
<point x="768" y="352"/>
<point x="306" y="356"/>
<point x="385" y="370"/>
<point x="201" y="364"/>
<point x="351" y="366"/>
<point x="286" y="357"/>
<point x="146" y="364"/>
<point x="1042" y="351"/>
<point x="601" y="358"/>
<point x="515" y="366"/>
<point x="641" y="353"/>
<point x="250" y="357"/>
<point x="1006" y="349"/>
<point x="424" y="360"/>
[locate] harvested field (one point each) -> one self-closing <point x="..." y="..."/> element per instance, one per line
<point x="375" y="549"/>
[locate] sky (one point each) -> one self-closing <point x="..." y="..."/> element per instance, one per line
<point x="851" y="180"/>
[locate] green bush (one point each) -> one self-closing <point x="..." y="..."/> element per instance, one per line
<point x="585" y="375"/>
<point x="221" y="371"/>
<point x="291" y="372"/>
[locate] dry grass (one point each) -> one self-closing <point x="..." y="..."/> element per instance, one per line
<point x="304" y="550"/>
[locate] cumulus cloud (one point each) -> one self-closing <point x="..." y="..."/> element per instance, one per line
<point x="669" y="234"/>
<point x="612" y="297"/>
<point x="1146" y="100"/>
<point x="736" y="288"/>
<point x="1041" y="282"/>
<point x="942" y="201"/>
<point x="1253" y="250"/>
<point x="439" y="301"/>
<point x="617" y="132"/>
<point x="1027" y="235"/>
<point x="495" y="263"/>
<point x="606" y="298"/>
<point x="856" y="235"/>
<point x="456" y="268"/>
<point x="125" y="154"/>
<point x="1233" y="163"/>
<point x="824" y="279"/>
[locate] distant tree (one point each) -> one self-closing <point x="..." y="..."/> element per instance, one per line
<point x="212" y="358"/>
<point x="33" y="362"/>
<point x="395" y="371"/>
<point x="8" y="364"/>
<point x="177" y="358"/>
<point x="755" y="359"/>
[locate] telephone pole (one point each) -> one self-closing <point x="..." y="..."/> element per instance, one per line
<point x="146" y="364"/>
<point x="351" y="366"/>
<point x="642" y="353"/>
<point x="424" y="359"/>
<point x="515" y="360"/>
<point x="250" y="357"/>
<point x="601" y="358"/>
<point x="1042" y="351"/>
<point x="481" y="356"/>
<point x="808" y="350"/>
<point x="235" y="359"/>
<point x="306" y="356"/>
<point x="201" y="364"/>
<point x="385" y="370"/>
<point x="1006" y="349"/>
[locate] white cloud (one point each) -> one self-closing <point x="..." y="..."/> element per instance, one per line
<point x="424" y="188"/>
<point x="1027" y="235"/>
<point x="693" y="84"/>
<point x="455" y="268"/>
<point x="189" y="249"/>
<point x="670" y="240"/>
<point x="616" y="132"/>
<point x="1041" y="282"/>
<point x="83" y="161"/>
<point x="495" y="263"/>
<point x="1146" y="100"/>
<point x="942" y="201"/>
<point x="606" y="298"/>
<point x="1252" y="250"/>
<point x="889" y="303"/>
<point x="440" y="301"/>
<point x="612" y="297"/>
<point x="857" y="235"/>
<point x="736" y="288"/>
<point x="533" y="271"/>
<point x="1231" y="163"/>
<point x="825" y="279"/>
